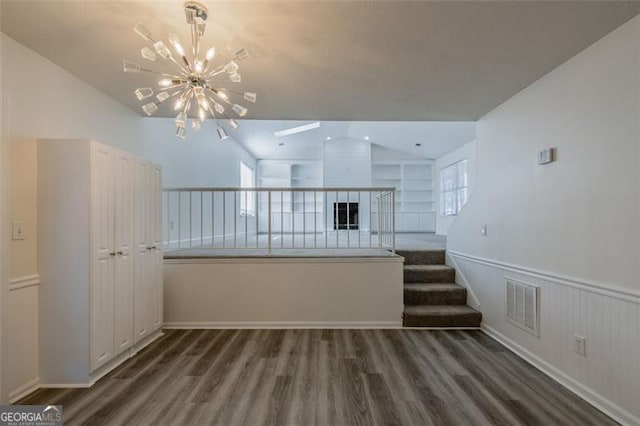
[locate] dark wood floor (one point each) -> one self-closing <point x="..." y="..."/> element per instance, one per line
<point x="323" y="377"/>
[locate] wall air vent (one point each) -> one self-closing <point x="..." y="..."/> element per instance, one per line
<point x="522" y="307"/>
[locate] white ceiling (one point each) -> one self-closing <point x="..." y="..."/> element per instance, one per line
<point x="335" y="60"/>
<point x="435" y="138"/>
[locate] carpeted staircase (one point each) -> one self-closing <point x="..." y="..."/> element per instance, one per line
<point x="431" y="297"/>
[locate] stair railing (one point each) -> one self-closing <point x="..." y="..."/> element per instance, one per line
<point x="279" y="218"/>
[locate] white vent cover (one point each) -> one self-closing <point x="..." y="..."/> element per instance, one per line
<point x="522" y="305"/>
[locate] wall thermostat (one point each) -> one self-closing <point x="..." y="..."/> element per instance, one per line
<point x="546" y="156"/>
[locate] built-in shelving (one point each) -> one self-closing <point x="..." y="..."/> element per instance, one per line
<point x="413" y="181"/>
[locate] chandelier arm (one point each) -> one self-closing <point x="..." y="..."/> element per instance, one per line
<point x="164" y="74"/>
<point x="217" y="93"/>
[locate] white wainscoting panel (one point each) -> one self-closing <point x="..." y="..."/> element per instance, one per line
<point x="22" y="318"/>
<point x="283" y="292"/>
<point x="608" y="317"/>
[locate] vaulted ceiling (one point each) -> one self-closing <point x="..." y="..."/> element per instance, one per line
<point x="336" y="60"/>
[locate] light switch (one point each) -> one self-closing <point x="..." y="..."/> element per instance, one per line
<point x="17" y="230"/>
<point x="483" y="230"/>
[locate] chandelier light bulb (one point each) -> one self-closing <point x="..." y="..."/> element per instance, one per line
<point x="235" y="77"/>
<point x="180" y="119"/>
<point x="162" y="49"/>
<point x="222" y="95"/>
<point x="196" y="125"/>
<point x="148" y="54"/>
<point x="166" y="82"/>
<point x="128" y="66"/>
<point x="239" y="109"/>
<point x="233" y="123"/>
<point x="222" y="134"/>
<point x="241" y="54"/>
<point x="177" y="46"/>
<point x="211" y="53"/>
<point x="219" y="108"/>
<point x="150" y="108"/>
<point x="179" y="104"/>
<point x="143" y="93"/>
<point x="142" y="31"/>
<point x="250" y="96"/>
<point x="202" y="114"/>
<point x="231" y="67"/>
<point x="181" y="132"/>
<point x="198" y="67"/>
<point x="162" y="96"/>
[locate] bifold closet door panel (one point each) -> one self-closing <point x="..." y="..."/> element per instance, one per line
<point x="155" y="231"/>
<point x="102" y="255"/>
<point x="123" y="268"/>
<point x="142" y="243"/>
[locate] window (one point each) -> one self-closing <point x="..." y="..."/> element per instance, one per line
<point x="453" y="188"/>
<point x="247" y="198"/>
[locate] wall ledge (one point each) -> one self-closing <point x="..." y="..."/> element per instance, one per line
<point x="286" y="325"/>
<point x="24" y="282"/>
<point x="616" y="292"/>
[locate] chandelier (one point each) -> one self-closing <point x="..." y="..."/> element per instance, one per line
<point x="195" y="80"/>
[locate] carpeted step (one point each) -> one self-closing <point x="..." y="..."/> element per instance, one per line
<point x="422" y="257"/>
<point x="441" y="316"/>
<point x="434" y="294"/>
<point x="429" y="274"/>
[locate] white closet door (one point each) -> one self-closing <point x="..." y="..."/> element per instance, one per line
<point x="102" y="254"/>
<point x="123" y="243"/>
<point x="155" y="236"/>
<point x="142" y="311"/>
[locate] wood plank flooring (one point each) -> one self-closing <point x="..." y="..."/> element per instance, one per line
<point x="323" y="377"/>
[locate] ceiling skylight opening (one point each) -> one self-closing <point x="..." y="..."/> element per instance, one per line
<point x="298" y="129"/>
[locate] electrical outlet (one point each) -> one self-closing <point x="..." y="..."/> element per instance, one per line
<point x="580" y="345"/>
<point x="483" y="230"/>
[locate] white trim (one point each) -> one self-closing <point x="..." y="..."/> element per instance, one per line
<point x="24" y="390"/>
<point x="64" y="385"/>
<point x="464" y="282"/>
<point x="285" y="325"/>
<point x="619" y="414"/>
<point x="24" y="282"/>
<point x="616" y="292"/>
<point x="276" y="259"/>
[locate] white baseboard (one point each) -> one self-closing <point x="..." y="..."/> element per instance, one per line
<point x="24" y="390"/>
<point x="64" y="385"/>
<point x="284" y="324"/>
<point x="609" y="408"/>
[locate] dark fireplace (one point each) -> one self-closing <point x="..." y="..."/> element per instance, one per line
<point x="345" y="215"/>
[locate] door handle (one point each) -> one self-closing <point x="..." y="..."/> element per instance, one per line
<point x="113" y="253"/>
<point x="120" y="253"/>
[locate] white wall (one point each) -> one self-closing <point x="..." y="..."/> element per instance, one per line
<point x="571" y="226"/>
<point x="44" y="101"/>
<point x="200" y="160"/>
<point x="468" y="152"/>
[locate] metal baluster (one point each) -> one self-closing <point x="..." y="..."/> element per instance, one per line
<point x="246" y="219"/>
<point x="201" y="218"/>
<point x="370" y="219"/>
<point x="190" y="219"/>
<point x="359" y="219"/>
<point x="304" y="220"/>
<point x="315" y="219"/>
<point x="336" y="223"/>
<point x="224" y="219"/>
<point x="293" y="219"/>
<point x="348" y="221"/>
<point x="324" y="214"/>
<point x="213" y="221"/>
<point x="179" y="217"/>
<point x="281" y="219"/>
<point x="269" y="216"/>
<point x="393" y="221"/>
<point x="235" y="219"/>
